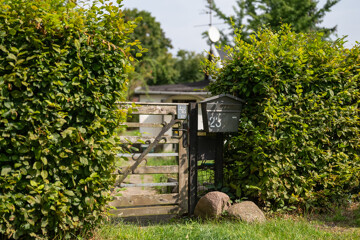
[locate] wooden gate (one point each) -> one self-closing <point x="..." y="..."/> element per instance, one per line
<point x="155" y="202"/>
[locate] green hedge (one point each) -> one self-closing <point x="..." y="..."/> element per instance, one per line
<point x="298" y="140"/>
<point x="62" y="69"/>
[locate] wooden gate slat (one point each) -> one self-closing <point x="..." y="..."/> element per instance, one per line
<point x="164" y="184"/>
<point x="136" y="155"/>
<point x="154" y="110"/>
<point x="155" y="169"/>
<point x="150" y="125"/>
<point x="145" y="200"/>
<point x="137" y="139"/>
<point x="146" y="211"/>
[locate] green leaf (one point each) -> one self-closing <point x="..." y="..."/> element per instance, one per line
<point x="23" y="149"/>
<point x="37" y="165"/>
<point x="77" y="44"/>
<point x="68" y="132"/>
<point x="33" y="183"/>
<point x="12" y="31"/>
<point x="8" y="105"/>
<point x="5" y="170"/>
<point x="12" y="57"/>
<point x="44" y="160"/>
<point x="94" y="175"/>
<point x="84" y="161"/>
<point x="2" y="48"/>
<point x="3" y="158"/>
<point x="31" y="57"/>
<point x="16" y="94"/>
<point x="14" y="49"/>
<point x="44" y="174"/>
<point x="69" y="193"/>
<point x="56" y="49"/>
<point x="44" y="222"/>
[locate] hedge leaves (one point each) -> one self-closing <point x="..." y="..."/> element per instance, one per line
<point x="63" y="67"/>
<point x="298" y="141"/>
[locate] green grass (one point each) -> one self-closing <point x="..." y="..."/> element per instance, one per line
<point x="158" y="178"/>
<point x="340" y="217"/>
<point x="191" y="229"/>
<point x="206" y="174"/>
<point x="162" y="161"/>
<point x="131" y="133"/>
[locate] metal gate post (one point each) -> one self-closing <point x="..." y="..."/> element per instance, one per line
<point x="219" y="160"/>
<point x="193" y="128"/>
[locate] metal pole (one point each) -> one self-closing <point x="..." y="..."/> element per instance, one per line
<point x="193" y="128"/>
<point x="219" y="160"/>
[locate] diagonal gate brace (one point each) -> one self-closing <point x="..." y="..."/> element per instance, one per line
<point x="131" y="169"/>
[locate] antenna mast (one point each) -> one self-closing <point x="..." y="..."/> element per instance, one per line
<point x="210" y="12"/>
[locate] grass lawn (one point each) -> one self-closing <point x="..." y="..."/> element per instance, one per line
<point x="284" y="227"/>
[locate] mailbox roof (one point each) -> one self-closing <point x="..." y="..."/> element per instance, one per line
<point x="223" y="97"/>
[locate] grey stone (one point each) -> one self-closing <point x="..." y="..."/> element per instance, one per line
<point x="212" y="205"/>
<point x="246" y="211"/>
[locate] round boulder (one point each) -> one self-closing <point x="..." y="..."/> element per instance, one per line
<point x="246" y="211"/>
<point x="212" y="205"/>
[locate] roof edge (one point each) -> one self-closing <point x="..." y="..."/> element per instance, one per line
<point x="170" y="93"/>
<point x="222" y="95"/>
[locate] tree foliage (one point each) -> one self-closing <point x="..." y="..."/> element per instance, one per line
<point x="63" y="67"/>
<point x="158" y="66"/>
<point x="303" y="15"/>
<point x="149" y="32"/>
<point x="297" y="145"/>
<point x="188" y="64"/>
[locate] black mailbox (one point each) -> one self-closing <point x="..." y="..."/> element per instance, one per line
<point x="221" y="113"/>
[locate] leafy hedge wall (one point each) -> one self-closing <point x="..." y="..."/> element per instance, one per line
<point x="298" y="141"/>
<point x="62" y="69"/>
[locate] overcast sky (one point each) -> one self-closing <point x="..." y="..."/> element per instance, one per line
<point x="180" y="19"/>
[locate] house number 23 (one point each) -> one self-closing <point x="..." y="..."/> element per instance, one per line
<point x="215" y="122"/>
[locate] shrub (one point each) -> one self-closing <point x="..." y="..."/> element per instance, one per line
<point x="298" y="139"/>
<point x="63" y="67"/>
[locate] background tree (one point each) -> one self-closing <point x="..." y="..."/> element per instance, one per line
<point x="250" y="15"/>
<point x="188" y="64"/>
<point x="149" y="32"/>
<point x="158" y="66"/>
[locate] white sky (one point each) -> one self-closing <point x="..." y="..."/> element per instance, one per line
<point x="178" y="18"/>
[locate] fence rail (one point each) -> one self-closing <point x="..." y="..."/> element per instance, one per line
<point x="169" y="169"/>
<point x="167" y="184"/>
<point x="136" y="155"/>
<point x="144" y="200"/>
<point x="147" y="139"/>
